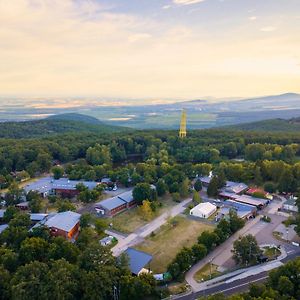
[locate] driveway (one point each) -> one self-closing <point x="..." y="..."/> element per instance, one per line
<point x="139" y="235"/>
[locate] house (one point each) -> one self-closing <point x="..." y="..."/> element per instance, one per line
<point x="48" y="186"/>
<point x="203" y="210"/>
<point x="107" y="240"/>
<point x="205" y="180"/>
<point x="290" y="205"/>
<point x="112" y="206"/>
<point x="139" y="261"/>
<point x="23" y="205"/>
<point x="243" y="211"/>
<point x="65" y="224"/>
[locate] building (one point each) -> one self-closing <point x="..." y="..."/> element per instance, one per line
<point x="65" y="224"/>
<point x="290" y="205"/>
<point x="48" y="186"/>
<point x="230" y="187"/>
<point x="139" y="261"/>
<point x="243" y="211"/>
<point x="23" y="205"/>
<point x="254" y="190"/>
<point x="112" y="206"/>
<point x="203" y="210"/>
<point x="37" y="217"/>
<point x="235" y="187"/>
<point x="257" y="202"/>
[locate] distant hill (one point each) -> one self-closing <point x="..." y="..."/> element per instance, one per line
<point x="272" y="125"/>
<point x="55" y="125"/>
<point x="76" y="117"/>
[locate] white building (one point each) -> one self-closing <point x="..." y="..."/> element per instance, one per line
<point x="203" y="210"/>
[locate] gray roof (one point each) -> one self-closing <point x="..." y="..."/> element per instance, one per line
<point x="110" y="203"/>
<point x="37" y="217"/>
<point x="290" y="201"/>
<point x="2" y="211"/>
<point x="116" y="201"/>
<point x="47" y="184"/>
<point x="137" y="260"/>
<point x="127" y="196"/>
<point x="241" y="209"/>
<point x="3" y="227"/>
<point x="64" y="220"/>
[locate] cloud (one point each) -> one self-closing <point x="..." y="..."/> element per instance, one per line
<point x="253" y="18"/>
<point x="73" y="48"/>
<point x="268" y="29"/>
<point x="187" y="2"/>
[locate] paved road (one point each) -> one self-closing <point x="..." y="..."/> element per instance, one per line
<point x="222" y="251"/>
<point x="240" y="285"/>
<point x="139" y="235"/>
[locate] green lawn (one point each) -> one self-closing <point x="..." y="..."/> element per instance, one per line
<point x="207" y="272"/>
<point x="170" y="239"/>
<point x="271" y="253"/>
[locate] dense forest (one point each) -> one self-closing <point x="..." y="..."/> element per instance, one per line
<point x="136" y="158"/>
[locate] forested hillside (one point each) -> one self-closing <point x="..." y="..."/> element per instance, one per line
<point x="55" y="125"/>
<point x="282" y="125"/>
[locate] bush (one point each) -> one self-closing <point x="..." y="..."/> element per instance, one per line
<point x="176" y="197"/>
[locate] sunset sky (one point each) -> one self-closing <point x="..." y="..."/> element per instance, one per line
<point x="149" y="49"/>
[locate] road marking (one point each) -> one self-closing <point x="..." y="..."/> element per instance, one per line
<point x="247" y="283"/>
<point x="291" y="251"/>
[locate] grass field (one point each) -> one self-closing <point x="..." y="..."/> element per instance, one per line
<point x="130" y="220"/>
<point x="168" y="241"/>
<point x="207" y="272"/>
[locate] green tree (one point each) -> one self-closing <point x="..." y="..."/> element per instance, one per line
<point x="161" y="187"/>
<point x="98" y="155"/>
<point x="85" y="220"/>
<point x="33" y="249"/>
<point x="198" y="185"/>
<point x="29" y="281"/>
<point x="208" y="239"/>
<point x="246" y="250"/>
<point x="141" y="192"/>
<point x="100" y="225"/>
<point x="184" y="188"/>
<point x="212" y="190"/>
<point x="57" y="172"/>
<point x="196" y="197"/>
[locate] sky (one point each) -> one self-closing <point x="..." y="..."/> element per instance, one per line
<point x="149" y="49"/>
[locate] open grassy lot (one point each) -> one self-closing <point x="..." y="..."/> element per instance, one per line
<point x="131" y="220"/>
<point x="170" y="238"/>
<point x="207" y="272"/>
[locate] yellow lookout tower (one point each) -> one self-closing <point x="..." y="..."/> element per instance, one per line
<point x="182" y="131"/>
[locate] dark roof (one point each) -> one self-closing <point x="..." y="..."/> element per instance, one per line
<point x="137" y="260"/>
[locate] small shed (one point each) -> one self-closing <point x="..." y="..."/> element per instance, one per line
<point x="139" y="261"/>
<point x="203" y="210"/>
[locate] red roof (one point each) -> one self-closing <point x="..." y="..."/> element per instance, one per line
<point x="256" y="190"/>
